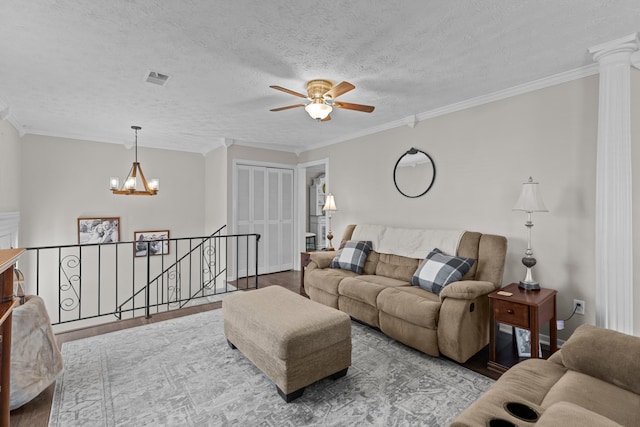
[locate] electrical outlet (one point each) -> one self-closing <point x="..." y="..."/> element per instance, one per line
<point x="578" y="306"/>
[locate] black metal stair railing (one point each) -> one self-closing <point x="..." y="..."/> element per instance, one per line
<point x="84" y="282"/>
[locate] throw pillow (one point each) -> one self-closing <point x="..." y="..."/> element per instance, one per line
<point x="438" y="270"/>
<point x="352" y="256"/>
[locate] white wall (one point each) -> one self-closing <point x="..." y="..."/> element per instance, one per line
<point x="482" y="156"/>
<point x="63" y="179"/>
<point x="9" y="168"/>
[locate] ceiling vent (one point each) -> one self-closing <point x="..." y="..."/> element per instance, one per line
<point x="156" y="78"/>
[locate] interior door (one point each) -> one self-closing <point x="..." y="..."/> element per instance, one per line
<point x="264" y="206"/>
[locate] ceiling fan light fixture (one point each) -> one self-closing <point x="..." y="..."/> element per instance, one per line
<point x="318" y="110"/>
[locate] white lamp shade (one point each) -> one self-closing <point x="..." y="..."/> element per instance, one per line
<point x="114" y="183"/>
<point x="154" y="184"/>
<point x="318" y="110"/>
<point x="530" y="200"/>
<point x="330" y="203"/>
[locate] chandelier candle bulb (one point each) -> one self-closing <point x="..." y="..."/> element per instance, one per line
<point x="154" y="184"/>
<point x="130" y="184"/>
<point x="114" y="183"/>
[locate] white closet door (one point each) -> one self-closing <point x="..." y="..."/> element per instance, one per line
<point x="265" y="206"/>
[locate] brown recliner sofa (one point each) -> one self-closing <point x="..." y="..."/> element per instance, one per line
<point x="594" y="380"/>
<point x="454" y="323"/>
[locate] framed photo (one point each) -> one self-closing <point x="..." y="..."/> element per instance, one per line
<point x="98" y="230"/>
<point x="156" y="241"/>
<point x="523" y="342"/>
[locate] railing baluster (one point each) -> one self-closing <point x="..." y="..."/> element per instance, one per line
<point x="99" y="276"/>
<point x="59" y="284"/>
<point x="117" y="264"/>
<point x="147" y="292"/>
<point x="38" y="272"/>
<point x="256" y="253"/>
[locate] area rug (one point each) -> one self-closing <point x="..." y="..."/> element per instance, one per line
<point x="181" y="372"/>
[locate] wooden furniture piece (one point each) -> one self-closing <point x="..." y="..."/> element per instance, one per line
<point x="8" y="258"/>
<point x="522" y="309"/>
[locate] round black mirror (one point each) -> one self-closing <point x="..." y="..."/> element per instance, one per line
<point x="414" y="173"/>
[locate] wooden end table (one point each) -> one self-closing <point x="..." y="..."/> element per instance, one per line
<point x="526" y="310"/>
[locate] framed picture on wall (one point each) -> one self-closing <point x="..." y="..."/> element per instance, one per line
<point x="523" y="341"/>
<point x="98" y="230"/>
<point x="156" y="242"/>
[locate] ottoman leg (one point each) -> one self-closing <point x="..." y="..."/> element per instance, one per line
<point x="339" y="374"/>
<point x="233" y="347"/>
<point x="291" y="396"/>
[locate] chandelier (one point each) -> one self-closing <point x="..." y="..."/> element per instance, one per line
<point x="130" y="186"/>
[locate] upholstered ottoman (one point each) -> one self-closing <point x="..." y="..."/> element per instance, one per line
<point x="292" y="339"/>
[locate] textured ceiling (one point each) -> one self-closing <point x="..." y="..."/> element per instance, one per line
<point x="76" y="68"/>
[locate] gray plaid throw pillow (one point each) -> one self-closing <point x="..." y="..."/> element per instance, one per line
<point x="352" y="256"/>
<point x="438" y="270"/>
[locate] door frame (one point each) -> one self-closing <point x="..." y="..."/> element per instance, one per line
<point x="301" y="207"/>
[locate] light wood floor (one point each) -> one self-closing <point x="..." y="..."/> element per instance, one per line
<point x="36" y="412"/>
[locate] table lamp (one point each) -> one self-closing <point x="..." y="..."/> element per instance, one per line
<point x="329" y="206"/>
<point x="529" y="201"/>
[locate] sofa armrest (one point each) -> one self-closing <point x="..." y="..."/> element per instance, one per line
<point x="463" y="323"/>
<point x="589" y="350"/>
<point x="466" y="289"/>
<point x="320" y="259"/>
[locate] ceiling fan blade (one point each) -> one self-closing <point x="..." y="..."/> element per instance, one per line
<point x="287" y="107"/>
<point x="357" y="107"/>
<point x="289" y="91"/>
<point x="339" y="89"/>
<point x="326" y="119"/>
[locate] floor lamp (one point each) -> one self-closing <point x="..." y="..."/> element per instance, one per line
<point x="529" y="201"/>
<point x="329" y="206"/>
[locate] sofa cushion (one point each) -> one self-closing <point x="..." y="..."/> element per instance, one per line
<point x="438" y="270"/>
<point x="366" y="288"/>
<point x="411" y="304"/>
<point x="326" y="280"/>
<point x="371" y="263"/>
<point x="589" y="345"/>
<point x="396" y="266"/>
<point x="352" y="256"/>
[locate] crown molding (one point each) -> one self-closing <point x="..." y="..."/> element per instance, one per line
<point x="412" y="121"/>
<point x="275" y="147"/>
<point x="532" y="86"/>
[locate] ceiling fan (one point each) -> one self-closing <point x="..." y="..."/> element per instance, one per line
<point x="322" y="94"/>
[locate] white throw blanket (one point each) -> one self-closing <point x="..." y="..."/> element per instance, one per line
<point x="408" y="242"/>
